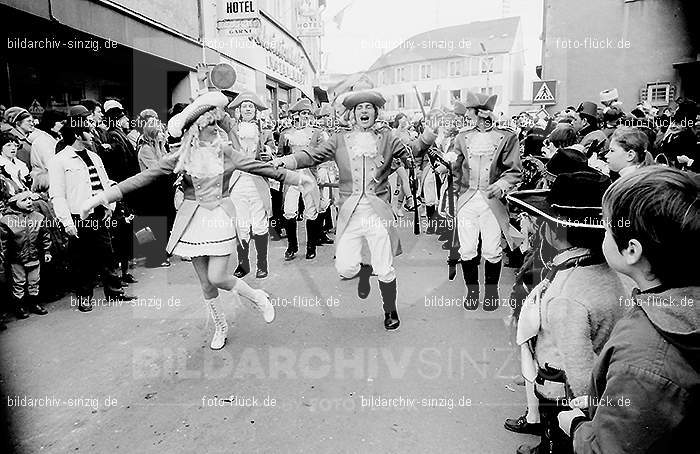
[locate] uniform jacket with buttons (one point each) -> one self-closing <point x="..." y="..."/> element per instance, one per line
<point x="502" y="167"/>
<point x="316" y="138"/>
<point x="209" y="192"/>
<point x="361" y="175"/>
<point x="25" y="236"/>
<point x="263" y="187"/>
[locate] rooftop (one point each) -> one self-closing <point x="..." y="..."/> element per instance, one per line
<point x="498" y="36"/>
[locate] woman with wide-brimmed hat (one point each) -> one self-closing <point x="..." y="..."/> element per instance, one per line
<point x="251" y="193"/>
<point x="567" y="318"/>
<point x="364" y="156"/>
<point x="205" y="226"/>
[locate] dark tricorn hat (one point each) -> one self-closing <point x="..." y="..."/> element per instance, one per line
<point x="574" y="200"/>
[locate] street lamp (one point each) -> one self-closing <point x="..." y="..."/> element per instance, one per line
<point x="488" y="76"/>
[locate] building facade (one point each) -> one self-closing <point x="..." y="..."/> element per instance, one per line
<point x="647" y="49"/>
<point x="144" y="52"/>
<point x="485" y="56"/>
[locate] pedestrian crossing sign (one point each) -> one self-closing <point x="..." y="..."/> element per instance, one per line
<point x="544" y="92"/>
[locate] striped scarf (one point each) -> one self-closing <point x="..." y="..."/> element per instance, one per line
<point x="95" y="182"/>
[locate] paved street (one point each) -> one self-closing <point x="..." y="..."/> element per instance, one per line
<point x="141" y="378"/>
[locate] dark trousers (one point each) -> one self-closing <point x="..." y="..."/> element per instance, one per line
<point x="277" y="199"/>
<point x="554" y="441"/>
<point x="92" y="254"/>
<point x="122" y="238"/>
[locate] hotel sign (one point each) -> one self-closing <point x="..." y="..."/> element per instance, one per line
<point x="240" y="18"/>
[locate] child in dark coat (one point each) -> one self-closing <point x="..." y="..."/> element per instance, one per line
<point x="645" y="387"/>
<point x="26" y="242"/>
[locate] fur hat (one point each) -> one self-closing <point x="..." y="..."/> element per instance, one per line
<point x="609" y="95"/>
<point x="371" y="96"/>
<point x="250" y="97"/>
<point x="205" y="102"/>
<point x="301" y="105"/>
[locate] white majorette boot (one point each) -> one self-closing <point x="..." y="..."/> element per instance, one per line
<point x="258" y="297"/>
<point x="220" y="325"/>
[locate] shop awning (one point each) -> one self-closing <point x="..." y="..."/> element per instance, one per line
<point x="109" y="23"/>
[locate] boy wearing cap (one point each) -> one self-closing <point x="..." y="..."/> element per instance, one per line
<point x="364" y="157"/>
<point x="27" y="242"/>
<point x="644" y="391"/>
<point x="487" y="166"/>
<point x="302" y="135"/>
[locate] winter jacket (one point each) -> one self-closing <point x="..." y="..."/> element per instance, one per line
<point x="26" y="237"/>
<point x="121" y="160"/>
<point x="43" y="150"/>
<point x="647" y="380"/>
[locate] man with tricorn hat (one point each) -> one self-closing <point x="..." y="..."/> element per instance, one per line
<point x="302" y="135"/>
<point x="486" y="167"/>
<point x="364" y="157"/>
<point x="251" y="193"/>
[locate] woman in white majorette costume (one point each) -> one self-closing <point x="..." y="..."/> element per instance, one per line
<point x="205" y="226"/>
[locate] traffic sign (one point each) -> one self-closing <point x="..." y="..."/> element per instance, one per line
<point x="544" y="92"/>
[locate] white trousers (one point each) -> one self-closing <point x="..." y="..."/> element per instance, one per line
<point x="364" y="224"/>
<point x="291" y="204"/>
<point x="325" y="176"/>
<point x="250" y="211"/>
<point x="476" y="218"/>
<point x="429" y="188"/>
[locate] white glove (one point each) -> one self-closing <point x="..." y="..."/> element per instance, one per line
<point x="567" y="417"/>
<point x="306" y="182"/>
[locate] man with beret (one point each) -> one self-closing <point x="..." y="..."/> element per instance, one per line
<point x="302" y="135"/>
<point x="364" y="156"/>
<point x="487" y="167"/>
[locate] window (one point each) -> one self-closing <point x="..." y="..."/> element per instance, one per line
<point x="456" y="94"/>
<point x="474" y="65"/>
<point x="426" y="98"/>
<point x="659" y="94"/>
<point x="401" y="101"/>
<point x="401" y="74"/>
<point x="455" y="68"/>
<point x="486" y="65"/>
<point x="425" y="71"/>
<point x="486" y="91"/>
